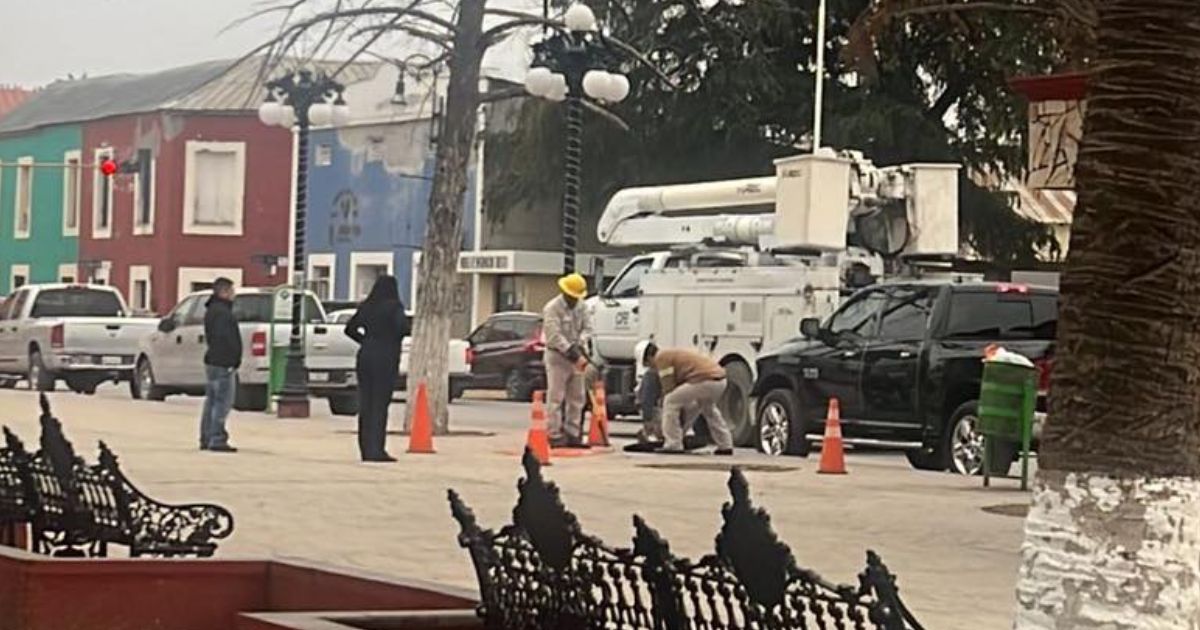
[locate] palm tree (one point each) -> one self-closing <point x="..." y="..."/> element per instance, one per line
<point x="1113" y="536"/>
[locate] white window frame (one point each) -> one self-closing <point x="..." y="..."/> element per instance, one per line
<point x="18" y="270"/>
<point x="102" y="271"/>
<point x="189" y="189"/>
<point x="19" y="187"/>
<point x="139" y="228"/>
<point x="76" y="155"/>
<point x="140" y="273"/>
<point x="387" y="259"/>
<point x="187" y="275"/>
<point x="68" y="270"/>
<point x="99" y="155"/>
<point x="329" y="261"/>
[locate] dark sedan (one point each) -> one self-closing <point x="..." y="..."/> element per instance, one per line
<point x="506" y="353"/>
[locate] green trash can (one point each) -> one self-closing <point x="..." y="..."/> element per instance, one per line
<point x="1007" y="401"/>
<point x="277" y="370"/>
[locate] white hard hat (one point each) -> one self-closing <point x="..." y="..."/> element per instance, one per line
<point x="639" y="351"/>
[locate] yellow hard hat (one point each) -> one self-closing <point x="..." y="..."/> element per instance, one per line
<point x="573" y="285"/>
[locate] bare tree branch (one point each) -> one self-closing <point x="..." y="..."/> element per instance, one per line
<point x="436" y="38"/>
<point x="606" y="114"/>
<point x="500" y="32"/>
<point x="640" y="58"/>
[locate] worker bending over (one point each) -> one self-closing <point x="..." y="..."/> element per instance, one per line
<point x="566" y="327"/>
<point x="691" y="384"/>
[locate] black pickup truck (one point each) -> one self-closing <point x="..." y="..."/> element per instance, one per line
<point x="904" y="361"/>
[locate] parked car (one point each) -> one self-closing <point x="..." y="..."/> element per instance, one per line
<point x="506" y="353"/>
<point x="460" y="369"/>
<point x="80" y="334"/>
<point x="171" y="358"/>
<point x="905" y="362"/>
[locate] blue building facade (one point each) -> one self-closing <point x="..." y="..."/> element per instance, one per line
<point x="369" y="190"/>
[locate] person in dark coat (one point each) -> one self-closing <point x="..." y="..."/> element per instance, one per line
<point x="221" y="361"/>
<point x="379" y="327"/>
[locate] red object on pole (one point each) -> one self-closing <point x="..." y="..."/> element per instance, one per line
<point x="108" y="167"/>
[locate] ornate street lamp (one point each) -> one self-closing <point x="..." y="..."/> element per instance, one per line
<point x="301" y="99"/>
<point x="571" y="65"/>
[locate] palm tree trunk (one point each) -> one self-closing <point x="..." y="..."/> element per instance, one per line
<point x="1112" y="539"/>
<point x="443" y="230"/>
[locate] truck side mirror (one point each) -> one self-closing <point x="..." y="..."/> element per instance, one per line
<point x="810" y="327"/>
<point x="166" y="324"/>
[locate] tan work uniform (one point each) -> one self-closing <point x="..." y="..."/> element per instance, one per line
<point x="563" y="327"/>
<point x="692" y="384"/>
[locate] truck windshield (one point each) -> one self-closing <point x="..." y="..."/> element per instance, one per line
<point x="76" y="302"/>
<point x="1001" y="316"/>
<point x="255" y="308"/>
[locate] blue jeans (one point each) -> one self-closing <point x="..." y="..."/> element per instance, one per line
<point x="219" y="387"/>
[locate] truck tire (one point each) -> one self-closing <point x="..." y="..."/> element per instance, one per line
<point x="779" y="425"/>
<point x="250" y="398"/>
<point x="517" y="386"/>
<point x="735" y="403"/>
<point x="142" y="386"/>
<point x="962" y="442"/>
<point x="344" y="405"/>
<point x="457" y="390"/>
<point x="40" y="379"/>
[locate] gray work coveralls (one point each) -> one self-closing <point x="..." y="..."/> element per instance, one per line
<point x="563" y="327"/>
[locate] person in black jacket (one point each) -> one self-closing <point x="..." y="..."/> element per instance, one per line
<point x="379" y="326"/>
<point x="221" y="361"/>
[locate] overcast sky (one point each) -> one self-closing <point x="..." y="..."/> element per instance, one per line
<point x="44" y="40"/>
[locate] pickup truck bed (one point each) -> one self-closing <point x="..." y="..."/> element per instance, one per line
<point x="76" y="333"/>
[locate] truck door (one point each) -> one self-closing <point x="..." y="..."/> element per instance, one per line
<point x="835" y="369"/>
<point x="8" y="333"/>
<point x="615" y="319"/>
<point x="891" y="366"/>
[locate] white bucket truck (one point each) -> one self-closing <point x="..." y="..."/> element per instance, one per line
<point x="751" y="258"/>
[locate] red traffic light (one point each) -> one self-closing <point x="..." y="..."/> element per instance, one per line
<point x="108" y="166"/>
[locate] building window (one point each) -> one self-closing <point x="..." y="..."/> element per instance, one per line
<point x="506" y="294"/>
<point x="67" y="273"/>
<point x="320" y="281"/>
<point x="23" y="207"/>
<point x="102" y="197"/>
<point x="143" y="193"/>
<point x="139" y="288"/>
<point x="365" y="269"/>
<point x="214" y="189"/>
<point x="18" y="277"/>
<point x="72" y="185"/>
<point x="193" y="279"/>
<point x="100" y="272"/>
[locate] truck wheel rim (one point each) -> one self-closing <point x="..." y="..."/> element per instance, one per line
<point x="967" y="446"/>
<point x="773" y="429"/>
<point x="145" y="381"/>
<point x="35" y="375"/>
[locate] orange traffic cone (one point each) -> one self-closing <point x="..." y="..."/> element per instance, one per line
<point x="598" y="433"/>
<point x="538" y="441"/>
<point x="420" y="434"/>
<point x="833" y="455"/>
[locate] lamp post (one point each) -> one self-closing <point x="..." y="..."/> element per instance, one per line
<point x="300" y="99"/>
<point x="571" y="65"/>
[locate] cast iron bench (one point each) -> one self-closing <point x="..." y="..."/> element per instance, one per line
<point x="543" y="573"/>
<point x="74" y="509"/>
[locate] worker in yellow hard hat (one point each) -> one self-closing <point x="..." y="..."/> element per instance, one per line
<point x="567" y="329"/>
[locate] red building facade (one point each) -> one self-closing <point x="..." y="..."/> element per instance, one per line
<point x="199" y="195"/>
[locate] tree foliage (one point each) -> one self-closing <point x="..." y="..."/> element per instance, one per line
<point x="926" y="86"/>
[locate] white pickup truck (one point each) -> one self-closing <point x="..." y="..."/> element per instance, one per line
<point x="81" y="334"/>
<point x="170" y="360"/>
<point x="460" y="367"/>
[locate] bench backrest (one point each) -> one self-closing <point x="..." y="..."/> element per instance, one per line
<point x="17" y="499"/>
<point x="543" y="572"/>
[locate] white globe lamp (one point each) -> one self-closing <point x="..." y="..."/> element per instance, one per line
<point x="320" y="114"/>
<point x="270" y="113"/>
<point x="580" y="18"/>
<point x="539" y="81"/>
<point x="287" y="118"/>
<point x="618" y="85"/>
<point x="340" y="114"/>
<point x="558" y="88"/>
<point x="597" y="84"/>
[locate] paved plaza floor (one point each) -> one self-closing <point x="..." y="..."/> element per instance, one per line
<point x="296" y="490"/>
